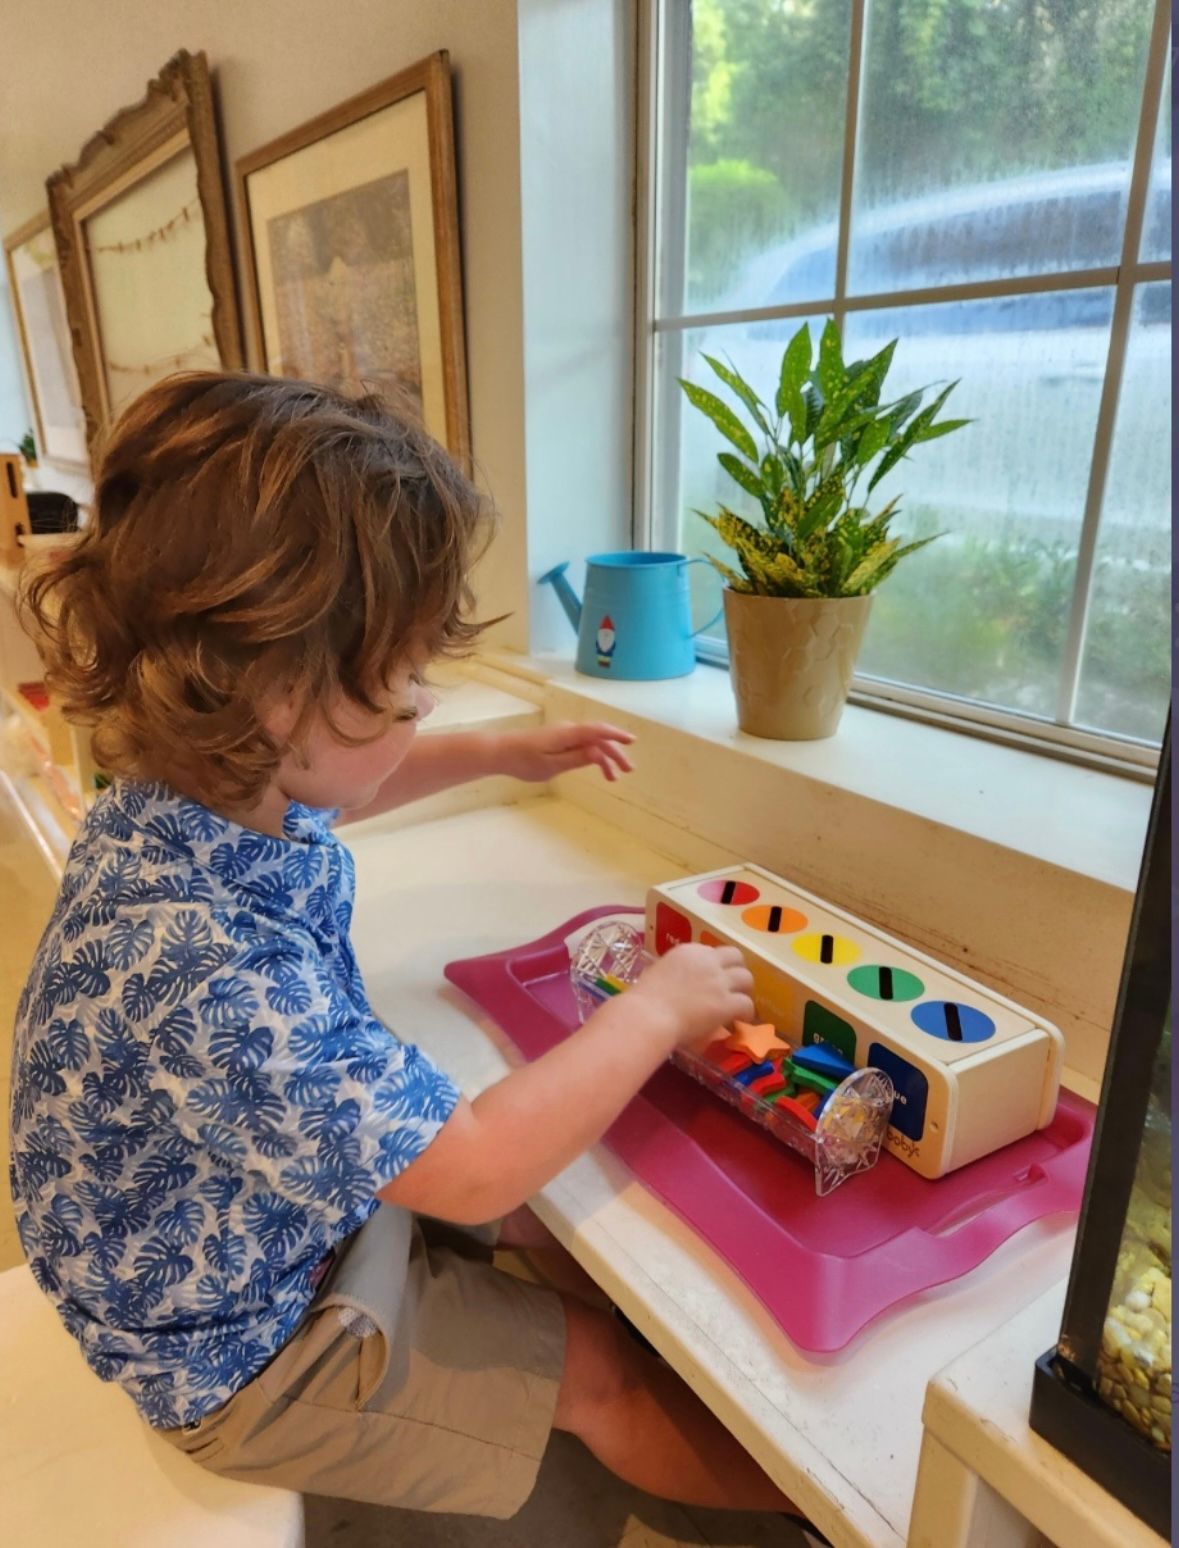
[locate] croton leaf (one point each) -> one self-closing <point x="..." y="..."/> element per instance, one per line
<point x="830" y="370"/>
<point x="743" y="535"/>
<point x="909" y="437"/>
<point x="865" y="575"/>
<point x="730" y="577"/>
<point x="722" y="417"/>
<point x="741" y="387"/>
<point x="796" y="366"/>
<point x="821" y="506"/>
<point x="785" y="577"/>
<point x="789" y="510"/>
<point x="773" y="474"/>
<point x="872" y="441"/>
<point x="813" y="399"/>
<point x="744" y="475"/>
<point x="871" y="380"/>
<point x="943" y="427"/>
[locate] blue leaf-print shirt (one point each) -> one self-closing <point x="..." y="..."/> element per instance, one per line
<point x="203" y="1100"/>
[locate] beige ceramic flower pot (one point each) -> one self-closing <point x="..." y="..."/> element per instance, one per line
<point x="791" y="661"/>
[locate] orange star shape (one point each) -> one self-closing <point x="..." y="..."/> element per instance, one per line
<point x="758" y="1041"/>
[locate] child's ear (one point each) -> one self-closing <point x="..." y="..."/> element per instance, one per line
<point x="279" y="713"/>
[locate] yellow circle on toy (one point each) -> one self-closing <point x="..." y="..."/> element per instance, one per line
<point x="833" y="950"/>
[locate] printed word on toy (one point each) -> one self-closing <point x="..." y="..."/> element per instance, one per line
<point x="972" y="1071"/>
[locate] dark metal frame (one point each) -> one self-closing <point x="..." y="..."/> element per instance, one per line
<point x="1065" y="1408"/>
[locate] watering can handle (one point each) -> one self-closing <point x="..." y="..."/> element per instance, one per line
<point x="720" y="609"/>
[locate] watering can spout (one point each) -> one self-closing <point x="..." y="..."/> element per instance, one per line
<point x="568" y="597"/>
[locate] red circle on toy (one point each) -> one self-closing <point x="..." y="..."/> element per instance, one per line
<point x="722" y="890"/>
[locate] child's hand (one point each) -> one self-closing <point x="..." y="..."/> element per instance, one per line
<point x="703" y="987"/>
<point x="543" y="752"/>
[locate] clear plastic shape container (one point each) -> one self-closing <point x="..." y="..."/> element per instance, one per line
<point x="846" y="1135"/>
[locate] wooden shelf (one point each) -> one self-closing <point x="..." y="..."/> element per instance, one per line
<point x="48" y="726"/>
<point x="62" y="751"/>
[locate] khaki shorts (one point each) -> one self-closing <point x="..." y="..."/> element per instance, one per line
<point x="421" y="1377"/>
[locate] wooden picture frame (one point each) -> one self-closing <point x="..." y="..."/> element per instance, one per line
<point x="350" y="232"/>
<point x="51" y="381"/>
<point x="151" y="280"/>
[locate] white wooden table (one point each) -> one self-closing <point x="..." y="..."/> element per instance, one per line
<point x="841" y="1434"/>
<point x="986" y="1479"/>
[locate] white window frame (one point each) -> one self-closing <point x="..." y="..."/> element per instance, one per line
<point x="664" y="103"/>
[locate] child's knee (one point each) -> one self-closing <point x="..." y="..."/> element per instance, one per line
<point x="603" y="1366"/>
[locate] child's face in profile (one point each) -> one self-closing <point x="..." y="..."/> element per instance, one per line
<point x="330" y="773"/>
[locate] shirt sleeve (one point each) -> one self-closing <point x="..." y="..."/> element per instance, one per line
<point x="272" y="1070"/>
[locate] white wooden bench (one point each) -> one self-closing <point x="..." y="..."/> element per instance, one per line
<point x="79" y="1469"/>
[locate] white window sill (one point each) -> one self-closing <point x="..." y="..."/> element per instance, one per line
<point x="1018" y="868"/>
<point x="1081" y="820"/>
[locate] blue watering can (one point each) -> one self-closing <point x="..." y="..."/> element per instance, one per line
<point x="636" y="620"/>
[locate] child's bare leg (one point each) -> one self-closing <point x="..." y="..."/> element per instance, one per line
<point x="553" y="1264"/>
<point x="524" y="1229"/>
<point x="641" y="1421"/>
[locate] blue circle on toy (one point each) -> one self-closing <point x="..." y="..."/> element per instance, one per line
<point x="952" y="1021"/>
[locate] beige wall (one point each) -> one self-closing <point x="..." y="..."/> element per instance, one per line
<point x="68" y="65"/>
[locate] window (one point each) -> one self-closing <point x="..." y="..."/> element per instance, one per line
<point x="990" y="182"/>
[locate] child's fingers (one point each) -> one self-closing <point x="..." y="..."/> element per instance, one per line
<point x="602" y="731"/>
<point x="618" y="758"/>
<point x="583" y="757"/>
<point x="599" y="757"/>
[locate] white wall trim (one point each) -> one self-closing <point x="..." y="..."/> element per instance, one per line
<point x="577" y="112"/>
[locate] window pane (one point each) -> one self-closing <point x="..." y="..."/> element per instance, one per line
<point x="983" y="611"/>
<point x="769" y="94"/>
<point x="1126" y="667"/>
<point x="1156" y="234"/>
<point x="995" y="140"/>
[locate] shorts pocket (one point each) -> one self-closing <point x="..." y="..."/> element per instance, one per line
<point x="275" y="1379"/>
<point x="331" y="1360"/>
<point x="203" y="1449"/>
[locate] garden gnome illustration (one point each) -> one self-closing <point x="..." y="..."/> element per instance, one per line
<point x="605" y="641"/>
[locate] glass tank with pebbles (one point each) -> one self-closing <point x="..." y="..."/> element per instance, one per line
<point x="1134" y="1365"/>
<point x="1102" y="1394"/>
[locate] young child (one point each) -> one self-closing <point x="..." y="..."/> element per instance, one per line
<point x="222" y="1163"/>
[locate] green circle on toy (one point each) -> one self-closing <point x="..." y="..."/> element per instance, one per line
<point x="885" y="983"/>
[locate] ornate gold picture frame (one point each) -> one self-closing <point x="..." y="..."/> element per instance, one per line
<point x="140" y="226"/>
<point x="34" y="282"/>
<point x="350" y="224"/>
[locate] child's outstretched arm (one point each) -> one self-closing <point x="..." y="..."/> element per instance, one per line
<point x="494" y="1153"/>
<point x="539" y="753"/>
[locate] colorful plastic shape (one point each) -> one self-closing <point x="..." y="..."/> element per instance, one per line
<point x="759" y="1041"/>
<point x="823" y="1059"/>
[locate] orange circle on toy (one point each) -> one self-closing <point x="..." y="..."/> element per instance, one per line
<point x="773" y="919"/>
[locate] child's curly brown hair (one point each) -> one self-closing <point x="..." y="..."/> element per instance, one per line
<point x="252" y="535"/>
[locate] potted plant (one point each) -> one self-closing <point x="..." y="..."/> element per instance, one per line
<point x="28" y="448"/>
<point x="797" y="605"/>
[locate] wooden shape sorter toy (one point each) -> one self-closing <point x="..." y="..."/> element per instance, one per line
<point x="972" y="1071"/>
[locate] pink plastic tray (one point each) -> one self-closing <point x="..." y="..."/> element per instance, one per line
<point x="823" y="1267"/>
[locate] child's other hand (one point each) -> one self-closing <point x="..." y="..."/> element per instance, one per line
<point x="543" y="752"/>
<point x="703" y="987"/>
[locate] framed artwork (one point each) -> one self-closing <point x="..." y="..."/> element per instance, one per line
<point x="142" y="240"/>
<point x="35" y="285"/>
<point x="351" y="230"/>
